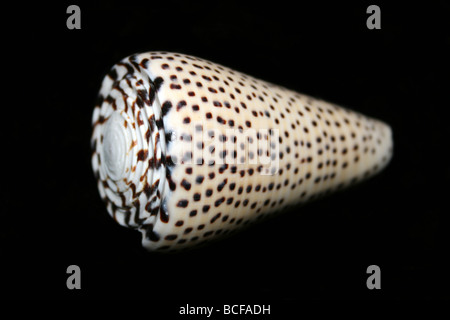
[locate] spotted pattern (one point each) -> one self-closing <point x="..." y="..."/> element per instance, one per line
<point x="186" y="150"/>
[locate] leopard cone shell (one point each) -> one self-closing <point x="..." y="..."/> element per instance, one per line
<point x="186" y="150"/>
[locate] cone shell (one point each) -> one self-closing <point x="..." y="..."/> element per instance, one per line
<point x="186" y="150"/>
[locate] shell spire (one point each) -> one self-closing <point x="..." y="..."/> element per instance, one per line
<point x="186" y="150"/>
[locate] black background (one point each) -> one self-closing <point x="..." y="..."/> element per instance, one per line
<point x="52" y="215"/>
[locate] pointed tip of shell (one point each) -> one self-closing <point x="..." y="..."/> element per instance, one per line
<point x="385" y="145"/>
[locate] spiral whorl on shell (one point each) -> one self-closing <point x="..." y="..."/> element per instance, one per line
<point x="186" y="150"/>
